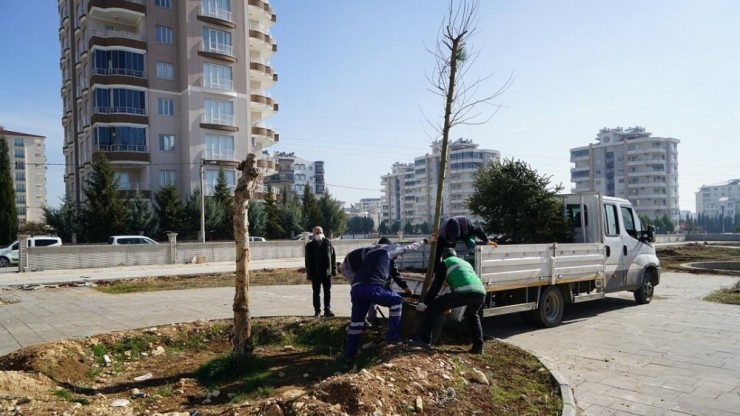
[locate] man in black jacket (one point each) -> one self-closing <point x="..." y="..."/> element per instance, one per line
<point x="321" y="266"/>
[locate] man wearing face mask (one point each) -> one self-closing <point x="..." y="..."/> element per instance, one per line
<point x="321" y="266"/>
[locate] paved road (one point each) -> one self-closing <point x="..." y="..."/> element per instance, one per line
<point x="675" y="356"/>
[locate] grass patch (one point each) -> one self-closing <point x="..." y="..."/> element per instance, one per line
<point x="230" y="368"/>
<point x="672" y="257"/>
<point x="66" y="395"/>
<point x="728" y="295"/>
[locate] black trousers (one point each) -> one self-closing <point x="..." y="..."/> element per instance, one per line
<point x="316" y="284"/>
<point x="435" y="308"/>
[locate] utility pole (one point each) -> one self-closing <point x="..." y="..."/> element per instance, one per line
<point x="202" y="203"/>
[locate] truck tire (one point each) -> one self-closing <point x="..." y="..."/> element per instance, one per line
<point x="549" y="312"/>
<point x="4" y="262"/>
<point x="644" y="294"/>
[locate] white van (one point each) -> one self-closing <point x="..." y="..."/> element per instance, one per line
<point x="9" y="254"/>
<point x="129" y="239"/>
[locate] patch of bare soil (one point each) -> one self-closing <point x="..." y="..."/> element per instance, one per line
<point x="179" y="370"/>
<point x="673" y="257"/>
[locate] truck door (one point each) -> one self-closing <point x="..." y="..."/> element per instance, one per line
<point x="614" y="271"/>
<point x="631" y="247"/>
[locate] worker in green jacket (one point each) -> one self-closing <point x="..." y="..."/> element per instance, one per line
<point x="466" y="289"/>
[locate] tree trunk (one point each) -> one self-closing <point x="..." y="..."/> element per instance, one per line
<point x="242" y="194"/>
<point x="455" y="45"/>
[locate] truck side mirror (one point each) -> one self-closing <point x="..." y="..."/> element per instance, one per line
<point x="648" y="235"/>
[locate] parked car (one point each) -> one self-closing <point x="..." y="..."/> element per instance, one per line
<point x="129" y="239"/>
<point x="257" y="239"/>
<point x="9" y="254"/>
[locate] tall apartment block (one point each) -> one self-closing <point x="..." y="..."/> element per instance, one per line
<point x="720" y="199"/>
<point x="161" y="87"/>
<point x="410" y="190"/>
<point x="294" y="173"/>
<point x="27" y="154"/>
<point x="632" y="164"/>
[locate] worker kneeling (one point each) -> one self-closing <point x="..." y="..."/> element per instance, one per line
<point x="467" y="290"/>
<point x="368" y="288"/>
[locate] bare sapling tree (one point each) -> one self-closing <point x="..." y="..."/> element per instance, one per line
<point x="453" y="59"/>
<point x="242" y="194"/>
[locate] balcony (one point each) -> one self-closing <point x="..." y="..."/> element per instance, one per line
<point x="124" y="153"/>
<point x="218" y="84"/>
<point x="217" y="50"/>
<point x="129" y="189"/>
<point x="262" y="102"/>
<point x="219" y="154"/>
<point x="261" y="11"/>
<point x="264" y="136"/>
<point x="118" y="76"/>
<point x="125" y="12"/>
<point x="261" y="71"/>
<point x="116" y="37"/>
<point x="265" y="43"/>
<point x="223" y="122"/>
<point x="119" y="115"/>
<point x="219" y="16"/>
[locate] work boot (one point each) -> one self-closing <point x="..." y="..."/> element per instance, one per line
<point x="316" y="314"/>
<point x="419" y="344"/>
<point x="328" y="313"/>
<point x="476" y="349"/>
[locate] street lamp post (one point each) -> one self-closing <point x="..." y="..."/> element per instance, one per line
<point x="202" y="203"/>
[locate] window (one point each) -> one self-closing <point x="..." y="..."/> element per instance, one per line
<point x="120" y="139"/>
<point x="20" y="199"/>
<point x="20" y="153"/>
<point x="122" y="178"/>
<point x="217" y="8"/>
<point x="119" y="100"/>
<point x="631" y="224"/>
<point x="219" y="147"/>
<point x="20" y="176"/>
<point x="165" y="71"/>
<point x="20" y="165"/>
<point x="165" y="4"/>
<point x="217" y="41"/>
<point x="126" y="63"/>
<point x="164" y="34"/>
<point x="20" y="188"/>
<point x="219" y="112"/>
<point x="610" y="220"/>
<point x="165" y="107"/>
<point x="217" y="76"/>
<point x="167" y="177"/>
<point x="18" y="142"/>
<point x="167" y="142"/>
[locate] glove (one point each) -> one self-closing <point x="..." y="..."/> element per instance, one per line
<point x="492" y="243"/>
<point x="421" y="307"/>
<point x="408" y="292"/>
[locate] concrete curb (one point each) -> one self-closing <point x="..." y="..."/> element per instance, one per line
<point x="566" y="391"/>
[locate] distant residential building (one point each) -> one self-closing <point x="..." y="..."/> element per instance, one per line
<point x="164" y="89"/>
<point x="720" y="199"/>
<point x="632" y="164"/>
<point x="367" y="207"/>
<point x="294" y="173"/>
<point x="27" y="154"/>
<point x="410" y="190"/>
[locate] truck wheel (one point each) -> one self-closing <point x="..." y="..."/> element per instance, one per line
<point x="4" y="262"/>
<point x="549" y="313"/>
<point x="644" y="294"/>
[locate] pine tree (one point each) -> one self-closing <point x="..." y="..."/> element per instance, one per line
<point x="257" y="216"/>
<point x="170" y="211"/>
<point x="272" y="227"/>
<point x="309" y="209"/>
<point x="333" y="218"/>
<point x="65" y="220"/>
<point x="214" y="217"/>
<point x="103" y="213"/>
<point x="140" y="216"/>
<point x="8" y="215"/>
<point x="223" y="199"/>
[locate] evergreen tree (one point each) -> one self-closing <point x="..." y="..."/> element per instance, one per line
<point x="8" y="214"/>
<point x="257" y="216"/>
<point x="273" y="230"/>
<point x="310" y="209"/>
<point x="383" y="227"/>
<point x="65" y="220"/>
<point x="291" y="219"/>
<point x="214" y="217"/>
<point x="103" y="213"/>
<point x="140" y="216"/>
<point x="224" y="202"/>
<point x="515" y="201"/>
<point x="668" y="224"/>
<point x="408" y="228"/>
<point x="424" y="229"/>
<point x="333" y="218"/>
<point x="170" y="211"/>
<point x="396" y="227"/>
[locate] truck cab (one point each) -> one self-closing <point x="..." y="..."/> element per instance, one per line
<point x="630" y="260"/>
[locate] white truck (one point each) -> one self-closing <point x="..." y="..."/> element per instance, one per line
<point x="611" y="252"/>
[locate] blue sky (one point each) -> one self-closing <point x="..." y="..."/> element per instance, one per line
<point x="352" y="87"/>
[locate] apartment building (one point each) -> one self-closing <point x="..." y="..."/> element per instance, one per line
<point x="294" y="173"/>
<point x="27" y="154"/>
<point x="163" y="88"/>
<point x="410" y="190"/>
<point x="632" y="164"/>
<point x="720" y="199"/>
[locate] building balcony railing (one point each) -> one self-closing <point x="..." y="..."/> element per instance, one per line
<point x="136" y="148"/>
<point x="113" y="33"/>
<point x="134" y="186"/>
<point x="211" y="10"/>
<point x="126" y="72"/>
<point x="218" y="84"/>
<point x="222" y="119"/>
<point x="220" y="48"/>
<point x="119" y="110"/>
<point x="218" y="154"/>
<point x="260" y="28"/>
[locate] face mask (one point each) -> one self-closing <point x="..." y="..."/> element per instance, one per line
<point x="318" y="237"/>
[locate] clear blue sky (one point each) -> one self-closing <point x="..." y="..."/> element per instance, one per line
<point x="352" y="88"/>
